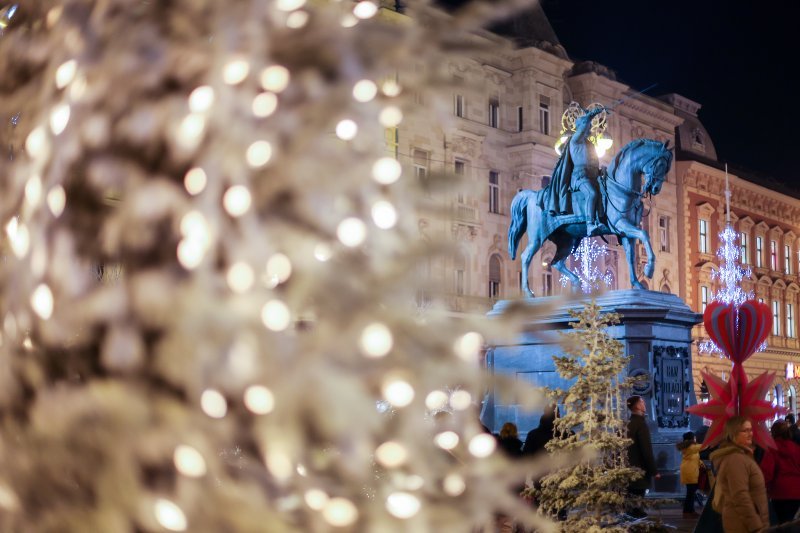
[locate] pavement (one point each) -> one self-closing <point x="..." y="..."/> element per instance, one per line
<point x="672" y="516"/>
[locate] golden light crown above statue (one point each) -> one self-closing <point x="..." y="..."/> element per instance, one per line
<point x="599" y="126"/>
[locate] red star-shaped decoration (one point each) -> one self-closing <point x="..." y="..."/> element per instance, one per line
<point x="753" y="405"/>
<point x="718" y="409"/>
<point x="725" y="395"/>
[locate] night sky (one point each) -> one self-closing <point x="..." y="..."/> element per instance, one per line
<point x="739" y="59"/>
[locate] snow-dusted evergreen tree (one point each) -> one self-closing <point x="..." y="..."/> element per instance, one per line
<point x="592" y="421"/>
<point x="208" y="273"/>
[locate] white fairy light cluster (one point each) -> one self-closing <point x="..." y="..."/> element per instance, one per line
<point x="587" y="256"/>
<point x="236" y="177"/>
<point x="730" y="275"/>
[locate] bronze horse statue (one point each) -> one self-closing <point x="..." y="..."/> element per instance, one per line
<point x="621" y="191"/>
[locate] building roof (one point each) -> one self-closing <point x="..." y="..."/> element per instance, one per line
<point x="691" y="136"/>
<point x="527" y="28"/>
<point x="531" y="28"/>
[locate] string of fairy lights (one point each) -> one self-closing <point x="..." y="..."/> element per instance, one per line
<point x="587" y="255"/>
<point x="196" y="245"/>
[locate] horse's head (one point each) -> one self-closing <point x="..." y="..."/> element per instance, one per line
<point x="655" y="170"/>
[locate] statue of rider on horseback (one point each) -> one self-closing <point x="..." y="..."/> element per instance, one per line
<point x="584" y="200"/>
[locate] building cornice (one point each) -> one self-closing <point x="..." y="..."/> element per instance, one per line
<point x="745" y="195"/>
<point x="649" y="110"/>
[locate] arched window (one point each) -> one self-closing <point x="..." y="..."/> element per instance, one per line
<point x="495" y="269"/>
<point x="547" y="280"/>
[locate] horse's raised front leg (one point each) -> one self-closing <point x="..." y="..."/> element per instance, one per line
<point x="630" y="230"/>
<point x="534" y="243"/>
<point x="564" y="247"/>
<point x="630" y="256"/>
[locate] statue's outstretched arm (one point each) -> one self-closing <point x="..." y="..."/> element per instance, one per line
<point x="583" y="127"/>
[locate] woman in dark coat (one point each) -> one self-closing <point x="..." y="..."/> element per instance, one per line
<point x="541" y="435"/>
<point x="508" y="441"/>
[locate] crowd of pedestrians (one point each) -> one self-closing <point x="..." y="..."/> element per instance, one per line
<point x="753" y="490"/>
<point x="757" y="489"/>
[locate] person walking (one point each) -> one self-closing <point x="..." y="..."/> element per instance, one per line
<point x="542" y="434"/>
<point x="508" y="440"/>
<point x="640" y="452"/>
<point x="690" y="471"/>
<point x="793" y="429"/>
<point x="781" y="468"/>
<point x="740" y="494"/>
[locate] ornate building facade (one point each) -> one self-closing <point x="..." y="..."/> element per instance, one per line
<point x="767" y="223"/>
<point x="493" y="133"/>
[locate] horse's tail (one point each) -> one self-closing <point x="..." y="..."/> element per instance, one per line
<point x="519" y="220"/>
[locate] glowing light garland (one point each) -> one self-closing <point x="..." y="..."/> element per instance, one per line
<point x="589" y="273"/>
<point x="730" y="274"/>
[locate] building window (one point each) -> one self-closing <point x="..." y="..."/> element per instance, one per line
<point x="743" y="244"/>
<point x="703" y="298"/>
<point x="420" y="164"/>
<point x="547" y="283"/>
<point x="494" y="113"/>
<point x="544" y="114"/>
<point x="423" y="268"/>
<point x="519" y="118"/>
<point x="703" y="391"/>
<point x="773" y="255"/>
<point x="776" y="318"/>
<point x="663" y="233"/>
<point x="790" y="320"/>
<point x="494" y="192"/>
<point x="703" y="236"/>
<point x="460" y="170"/>
<point x="458" y="105"/>
<point x="787" y="259"/>
<point x="459" y="282"/>
<point x="495" y="268"/>
<point x="759" y="252"/>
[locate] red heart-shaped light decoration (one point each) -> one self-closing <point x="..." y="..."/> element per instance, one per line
<point x="755" y="323"/>
<point x="720" y="324"/>
<point x="738" y="332"/>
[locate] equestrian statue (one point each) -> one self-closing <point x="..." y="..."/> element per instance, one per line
<point x="584" y="200"/>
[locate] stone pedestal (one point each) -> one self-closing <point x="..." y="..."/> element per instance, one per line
<point x="655" y="329"/>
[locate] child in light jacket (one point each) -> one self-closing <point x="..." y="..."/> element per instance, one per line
<point x="690" y="471"/>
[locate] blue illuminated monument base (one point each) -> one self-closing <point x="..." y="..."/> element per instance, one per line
<point x="656" y="330"/>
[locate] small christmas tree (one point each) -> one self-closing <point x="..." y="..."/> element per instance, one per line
<point x="591" y="422"/>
